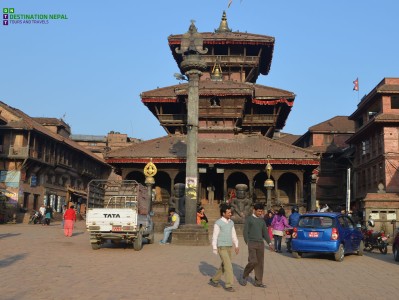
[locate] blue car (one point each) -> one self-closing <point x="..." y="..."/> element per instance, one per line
<point x="333" y="233"/>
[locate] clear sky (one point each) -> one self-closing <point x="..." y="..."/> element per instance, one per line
<point x="91" y="68"/>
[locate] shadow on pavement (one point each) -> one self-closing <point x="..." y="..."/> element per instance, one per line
<point x="210" y="270"/>
<point x="207" y="269"/>
<point x="6" y="235"/>
<point x="383" y="257"/>
<point x="238" y="270"/>
<point x="10" y="260"/>
<point x="77" y="233"/>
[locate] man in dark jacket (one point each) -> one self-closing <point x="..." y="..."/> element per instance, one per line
<point x="255" y="232"/>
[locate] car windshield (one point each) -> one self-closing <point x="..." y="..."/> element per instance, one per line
<point x="316" y="222"/>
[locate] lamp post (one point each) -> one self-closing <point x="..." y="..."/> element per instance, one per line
<point x="191" y="47"/>
<point x="269" y="184"/>
<point x="150" y="170"/>
<point x="313" y="182"/>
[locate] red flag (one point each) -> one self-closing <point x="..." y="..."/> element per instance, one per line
<point x="356" y="84"/>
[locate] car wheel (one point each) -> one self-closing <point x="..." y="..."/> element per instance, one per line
<point x="296" y="254"/>
<point x="138" y="242"/>
<point x="396" y="254"/>
<point x="361" y="249"/>
<point x="340" y="254"/>
<point x="95" y="246"/>
<point x="384" y="249"/>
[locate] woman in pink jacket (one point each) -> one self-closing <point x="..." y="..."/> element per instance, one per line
<point x="279" y="223"/>
<point x="69" y="220"/>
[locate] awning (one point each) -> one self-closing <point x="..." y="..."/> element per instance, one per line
<point x="77" y="192"/>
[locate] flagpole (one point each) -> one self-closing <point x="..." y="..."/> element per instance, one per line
<point x="356" y="88"/>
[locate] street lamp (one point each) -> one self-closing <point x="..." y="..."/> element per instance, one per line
<point x="313" y="182"/>
<point x="269" y="184"/>
<point x="150" y="170"/>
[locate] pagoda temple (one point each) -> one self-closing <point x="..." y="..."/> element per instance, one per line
<point x="237" y="122"/>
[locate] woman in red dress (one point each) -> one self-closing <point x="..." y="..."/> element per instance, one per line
<point x="69" y="221"/>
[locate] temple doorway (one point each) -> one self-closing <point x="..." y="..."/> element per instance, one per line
<point x="211" y="180"/>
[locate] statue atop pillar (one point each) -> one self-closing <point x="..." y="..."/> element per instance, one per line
<point x="241" y="204"/>
<point x="178" y="200"/>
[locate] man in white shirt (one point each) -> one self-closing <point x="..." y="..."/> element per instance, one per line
<point x="42" y="211"/>
<point x="223" y="239"/>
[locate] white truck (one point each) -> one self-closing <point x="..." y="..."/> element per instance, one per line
<point x="119" y="211"/>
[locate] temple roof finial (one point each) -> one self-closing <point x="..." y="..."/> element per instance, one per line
<point x="223" y="27"/>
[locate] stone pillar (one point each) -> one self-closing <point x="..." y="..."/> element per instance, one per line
<point x="313" y="192"/>
<point x="191" y="48"/>
<point x="192" y="65"/>
<point x="149" y="182"/>
<point x="251" y="188"/>
<point x="192" y="146"/>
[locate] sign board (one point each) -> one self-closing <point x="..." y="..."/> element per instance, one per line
<point x="391" y="215"/>
<point x="375" y="215"/>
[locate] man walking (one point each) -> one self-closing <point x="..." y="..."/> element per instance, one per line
<point x="254" y="232"/>
<point x="223" y="239"/>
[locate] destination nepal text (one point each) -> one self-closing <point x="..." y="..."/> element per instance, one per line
<point x="37" y="17"/>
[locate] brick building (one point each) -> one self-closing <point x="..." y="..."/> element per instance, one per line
<point x="328" y="140"/>
<point x="40" y="164"/>
<point x="100" y="145"/>
<point x="376" y="143"/>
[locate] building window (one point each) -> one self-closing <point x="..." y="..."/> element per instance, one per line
<point x="26" y="200"/>
<point x="328" y="138"/>
<point x="394" y="102"/>
<point x="365" y="147"/>
<point x="359" y="122"/>
<point x="215" y="102"/>
<point x="381" y="172"/>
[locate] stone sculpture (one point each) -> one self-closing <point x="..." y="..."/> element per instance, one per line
<point x="241" y="204"/>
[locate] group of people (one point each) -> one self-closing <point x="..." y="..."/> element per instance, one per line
<point x="276" y="223"/>
<point x="174" y="222"/>
<point x="224" y="240"/>
<point x="258" y="228"/>
<point x="255" y="232"/>
<point x="68" y="217"/>
<point x="46" y="213"/>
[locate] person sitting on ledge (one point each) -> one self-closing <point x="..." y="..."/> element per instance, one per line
<point x="201" y="217"/>
<point x="175" y="221"/>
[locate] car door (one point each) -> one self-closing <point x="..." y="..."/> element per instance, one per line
<point x="345" y="234"/>
<point x="355" y="234"/>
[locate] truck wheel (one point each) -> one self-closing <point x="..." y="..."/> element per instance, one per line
<point x="138" y="242"/>
<point x="151" y="237"/>
<point x="95" y="246"/>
